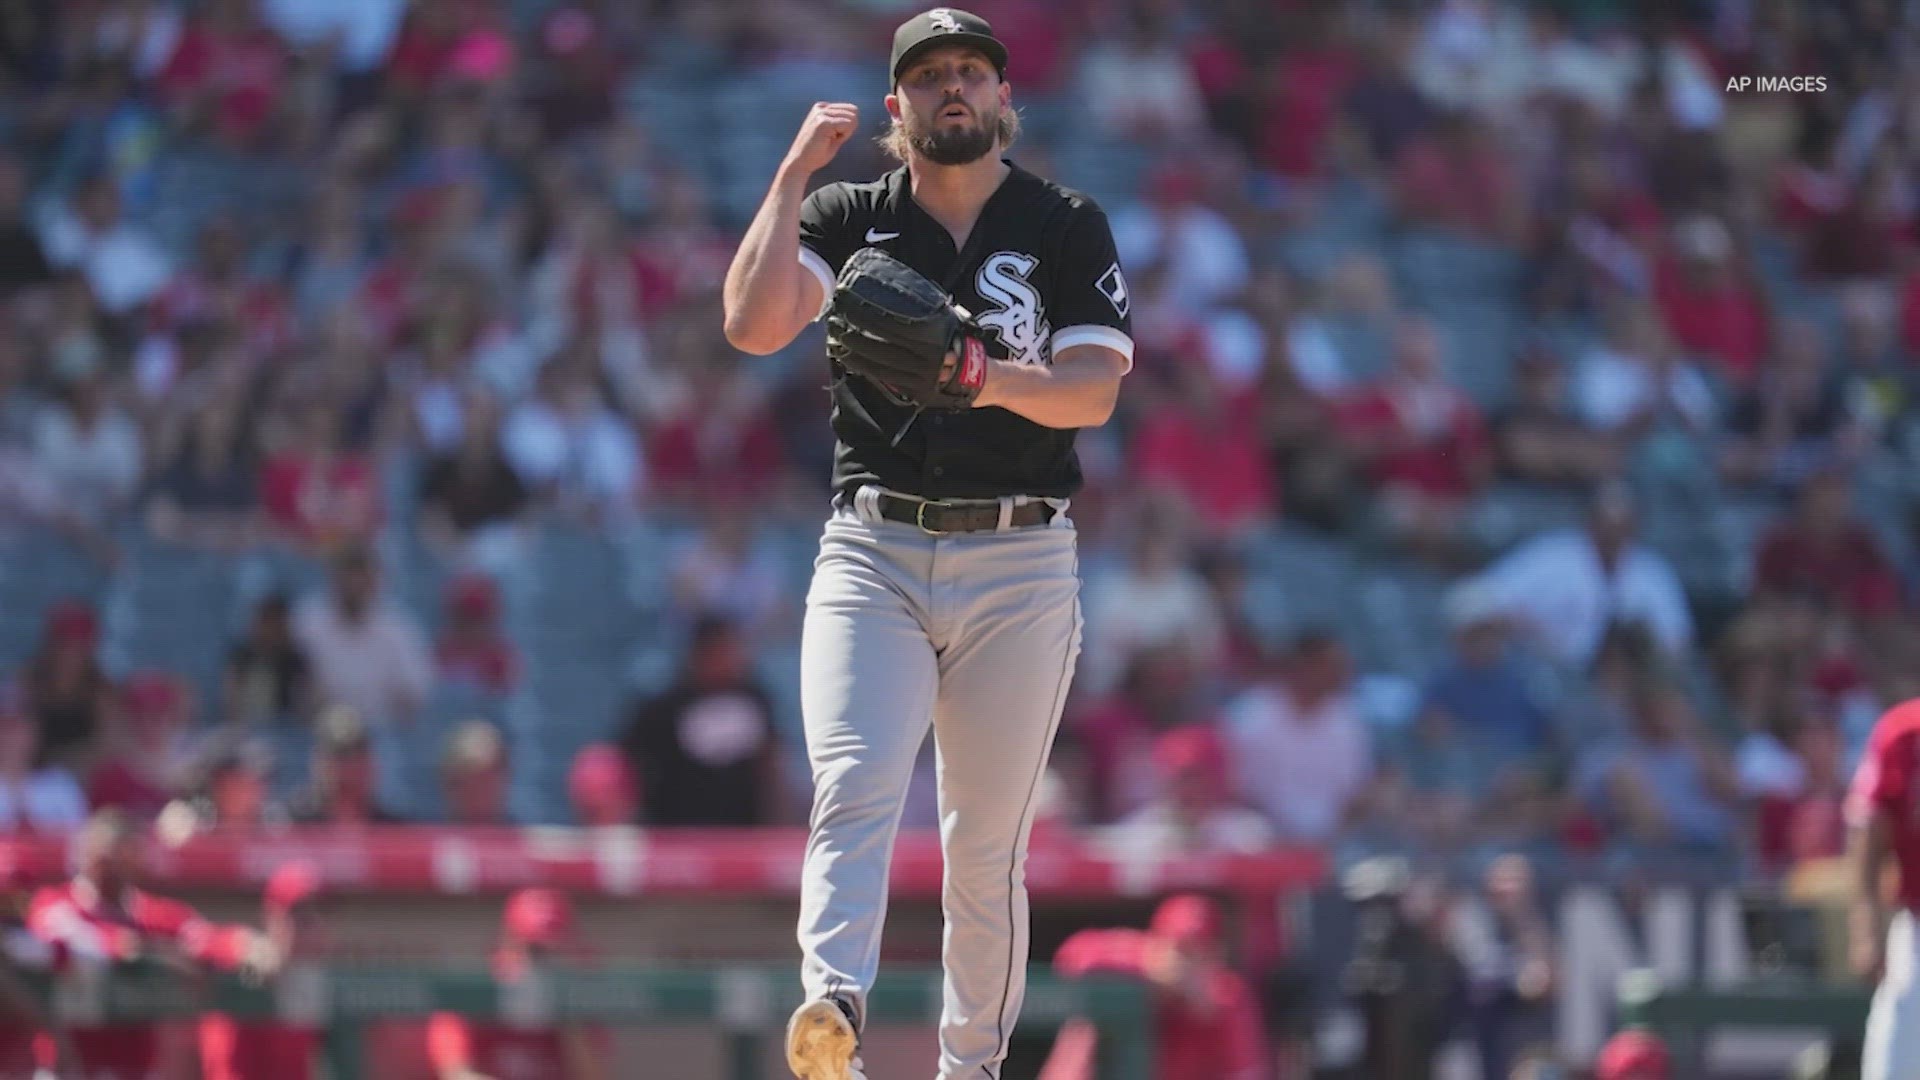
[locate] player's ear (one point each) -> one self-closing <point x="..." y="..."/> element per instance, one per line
<point x="892" y="102"/>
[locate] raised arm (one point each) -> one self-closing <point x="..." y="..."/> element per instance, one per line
<point x="770" y="296"/>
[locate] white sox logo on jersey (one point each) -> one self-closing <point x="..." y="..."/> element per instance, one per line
<point x="1017" y="316"/>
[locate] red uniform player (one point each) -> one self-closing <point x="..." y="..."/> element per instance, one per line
<point x="102" y="916"/>
<point x="233" y="1049"/>
<point x="1883" y="819"/>
<point x="538" y="924"/>
<point x="1207" y="1019"/>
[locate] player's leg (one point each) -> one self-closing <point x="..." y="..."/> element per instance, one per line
<point x="1891" y="1049"/>
<point x="866" y="689"/>
<point x="1011" y="606"/>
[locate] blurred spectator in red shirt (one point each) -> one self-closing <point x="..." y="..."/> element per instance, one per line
<point x="721" y="442"/>
<point x="1303" y="97"/>
<point x="1193" y="813"/>
<point x="226" y="72"/>
<point x="1806" y="822"/>
<point x="217" y="288"/>
<point x="1459" y="179"/>
<point x="35" y="796"/>
<point x="475" y="773"/>
<point x="473" y="651"/>
<point x="1115" y="733"/>
<point x="233" y="1049"/>
<point x="602" y="788"/>
<point x="102" y="916"/>
<point x="1634" y="1055"/>
<point x="1824" y="552"/>
<point x="316" y="491"/>
<point x="66" y="690"/>
<point x="145" y="762"/>
<point x="1207" y="1021"/>
<point x="343" y="791"/>
<point x="1871" y="233"/>
<point x="1421" y="439"/>
<point x="1211" y="454"/>
<point x="1712" y="310"/>
<point x="537" y="933"/>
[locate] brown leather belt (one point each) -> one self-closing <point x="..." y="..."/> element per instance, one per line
<point x="937" y="517"/>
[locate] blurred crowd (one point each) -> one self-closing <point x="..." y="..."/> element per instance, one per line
<point x="1606" y="370"/>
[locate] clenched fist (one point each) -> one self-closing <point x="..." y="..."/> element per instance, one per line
<point x="829" y="124"/>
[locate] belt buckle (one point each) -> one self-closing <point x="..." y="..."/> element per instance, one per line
<point x="920" y="518"/>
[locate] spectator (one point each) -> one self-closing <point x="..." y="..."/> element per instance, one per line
<point x="317" y="492"/>
<point x="1505" y="940"/>
<point x="226" y="74"/>
<point x="232" y="790"/>
<point x="124" y="265"/>
<point x="475" y="772"/>
<point x="87" y="447"/>
<point x="34" y="796"/>
<point x="1539" y="439"/>
<point x="232" y="1049"/>
<point x="1824" y="552"/>
<point x="1193" y="814"/>
<point x="1115" y="734"/>
<point x="366" y="652"/>
<point x="66" y="689"/>
<point x="1793" y="421"/>
<point x="268" y="677"/>
<point x="1636" y="382"/>
<point x="1203" y="257"/>
<point x="1156" y="599"/>
<point x="1484" y="691"/>
<point x="602" y="788"/>
<point x="720" y="441"/>
<point x="1421" y="440"/>
<point x="1300" y="750"/>
<point x="1207" y="453"/>
<point x="1634" y="1054"/>
<point x="471" y="499"/>
<point x="1712" y="311"/>
<point x="342" y="793"/>
<point x="1566" y="588"/>
<point x="1667" y="795"/>
<point x="704" y="750"/>
<point x="473" y="651"/>
<point x="537" y="934"/>
<point x="1140" y="88"/>
<point x="208" y="494"/>
<point x="1458" y="179"/>
<point x="146" y="758"/>
<point x="104" y="916"/>
<point x="1385" y="107"/>
<point x="23" y="261"/>
<point x="1207" y="1020"/>
<point x="218" y="289"/>
<point x="724" y="571"/>
<point x="569" y="447"/>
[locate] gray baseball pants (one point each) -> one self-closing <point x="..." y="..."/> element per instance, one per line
<point x="977" y="635"/>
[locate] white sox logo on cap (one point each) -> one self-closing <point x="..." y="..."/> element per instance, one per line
<point x="943" y="20"/>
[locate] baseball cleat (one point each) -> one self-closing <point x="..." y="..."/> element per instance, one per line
<point x="822" y="1044"/>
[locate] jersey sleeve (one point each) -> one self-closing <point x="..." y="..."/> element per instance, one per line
<point x="1102" y="952"/>
<point x="449" y="1042"/>
<point x="827" y="235"/>
<point x="1091" y="304"/>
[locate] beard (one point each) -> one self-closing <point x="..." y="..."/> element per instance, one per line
<point x="954" y="145"/>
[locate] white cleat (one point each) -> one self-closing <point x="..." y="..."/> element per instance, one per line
<point x="821" y="1043"/>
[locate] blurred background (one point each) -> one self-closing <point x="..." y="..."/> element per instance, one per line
<point x="1516" y="482"/>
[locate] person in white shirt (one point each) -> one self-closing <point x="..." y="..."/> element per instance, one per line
<point x="1568" y="586"/>
<point x="125" y="265"/>
<point x="566" y="442"/>
<point x="366" y="653"/>
<point x="1193" y="813"/>
<point x="88" y="451"/>
<point x="1300" y="750"/>
<point x="1157" y="599"/>
<point x="1637" y="379"/>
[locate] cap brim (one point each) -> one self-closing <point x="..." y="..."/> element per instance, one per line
<point x="995" y="50"/>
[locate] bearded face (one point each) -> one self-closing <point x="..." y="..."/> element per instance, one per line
<point x="952" y="107"/>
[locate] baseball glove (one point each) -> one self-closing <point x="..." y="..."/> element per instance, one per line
<point x="891" y="325"/>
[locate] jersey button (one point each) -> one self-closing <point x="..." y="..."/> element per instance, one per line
<point x="939" y="470"/>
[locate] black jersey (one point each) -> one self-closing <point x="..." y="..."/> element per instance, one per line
<point x="1039" y="272"/>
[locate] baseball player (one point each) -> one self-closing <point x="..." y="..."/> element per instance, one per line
<point x="976" y="317"/>
<point x="1883" y="820"/>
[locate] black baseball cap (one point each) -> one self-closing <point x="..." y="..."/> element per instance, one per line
<point x="942" y="27"/>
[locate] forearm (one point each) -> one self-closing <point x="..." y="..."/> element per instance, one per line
<point x="765" y="276"/>
<point x="1071" y="393"/>
<point x="1867" y="852"/>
